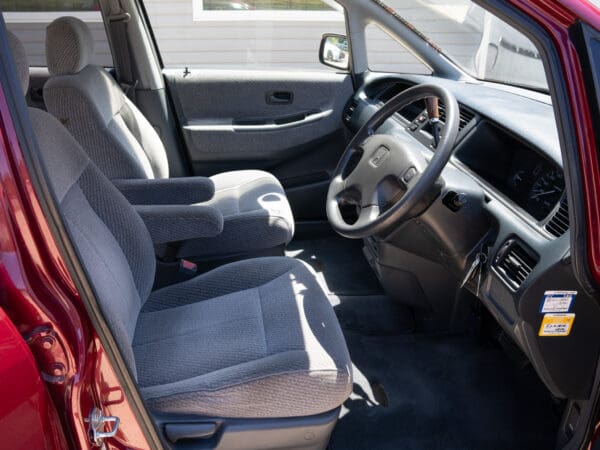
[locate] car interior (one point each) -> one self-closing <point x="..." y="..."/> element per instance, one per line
<point x="340" y="258"/>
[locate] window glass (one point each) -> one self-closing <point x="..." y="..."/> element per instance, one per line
<point x="386" y="54"/>
<point x="28" y="19"/>
<point x="480" y="43"/>
<point x="46" y="6"/>
<point x="260" y="34"/>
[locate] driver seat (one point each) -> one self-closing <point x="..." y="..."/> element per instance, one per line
<point x="256" y="339"/>
<point x="123" y="144"/>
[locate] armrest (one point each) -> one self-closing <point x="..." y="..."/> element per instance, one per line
<point x="172" y="223"/>
<point x="167" y="191"/>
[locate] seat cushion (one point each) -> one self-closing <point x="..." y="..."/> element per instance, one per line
<point x="273" y="349"/>
<point x="256" y="213"/>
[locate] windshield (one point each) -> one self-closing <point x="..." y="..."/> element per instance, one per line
<point x="480" y="43"/>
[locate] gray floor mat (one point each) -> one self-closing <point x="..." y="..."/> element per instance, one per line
<point x="372" y="315"/>
<point x="340" y="264"/>
<point x="443" y="392"/>
<point x="422" y="392"/>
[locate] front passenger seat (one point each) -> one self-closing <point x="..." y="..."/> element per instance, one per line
<point x="124" y="145"/>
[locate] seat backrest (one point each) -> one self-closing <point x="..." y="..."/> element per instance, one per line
<point x="93" y="107"/>
<point x="110" y="238"/>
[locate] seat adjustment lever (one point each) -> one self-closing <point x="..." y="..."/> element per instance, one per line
<point x="181" y="431"/>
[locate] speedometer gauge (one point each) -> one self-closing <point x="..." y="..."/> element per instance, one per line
<point x="545" y="193"/>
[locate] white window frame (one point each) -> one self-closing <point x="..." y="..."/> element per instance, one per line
<point x="200" y="15"/>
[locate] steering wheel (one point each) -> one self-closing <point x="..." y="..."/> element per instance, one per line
<point x="386" y="176"/>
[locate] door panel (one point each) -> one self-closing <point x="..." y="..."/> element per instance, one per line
<point x="286" y="122"/>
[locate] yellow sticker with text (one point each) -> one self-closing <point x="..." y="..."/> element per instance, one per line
<point x="556" y="324"/>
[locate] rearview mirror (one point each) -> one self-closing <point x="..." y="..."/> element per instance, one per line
<point x="335" y="51"/>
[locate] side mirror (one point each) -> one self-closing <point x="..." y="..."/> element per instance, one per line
<point x="334" y="51"/>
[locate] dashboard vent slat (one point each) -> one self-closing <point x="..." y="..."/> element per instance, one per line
<point x="465" y="116"/>
<point x="514" y="263"/>
<point x="559" y="222"/>
<point x="350" y="109"/>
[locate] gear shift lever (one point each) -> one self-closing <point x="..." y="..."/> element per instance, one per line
<point x="433" y="112"/>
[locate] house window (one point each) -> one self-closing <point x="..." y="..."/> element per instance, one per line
<point x="265" y="5"/>
<point x="289" y="10"/>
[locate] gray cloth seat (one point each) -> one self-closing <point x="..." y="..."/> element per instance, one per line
<point x="256" y="215"/>
<point x="124" y="145"/>
<point x="254" y="339"/>
<point x="271" y="344"/>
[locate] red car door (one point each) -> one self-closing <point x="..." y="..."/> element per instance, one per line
<point x="28" y="418"/>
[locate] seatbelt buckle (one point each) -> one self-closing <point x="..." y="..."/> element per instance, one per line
<point x="187" y="267"/>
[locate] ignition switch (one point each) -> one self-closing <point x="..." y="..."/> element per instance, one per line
<point x="454" y="201"/>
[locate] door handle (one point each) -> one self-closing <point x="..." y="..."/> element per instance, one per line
<point x="280" y="97"/>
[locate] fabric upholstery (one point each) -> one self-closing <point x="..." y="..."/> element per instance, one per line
<point x="20" y="58"/>
<point x="123" y="144"/>
<point x="69" y="46"/>
<point x="110" y="237"/>
<point x="255" y="339"/>
<point x="256" y="215"/>
<point x="169" y="223"/>
<point x="172" y="191"/>
<point x="273" y="349"/>
<point x="117" y="137"/>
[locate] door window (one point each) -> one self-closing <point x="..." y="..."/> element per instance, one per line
<point x="28" y="19"/>
<point x="261" y="34"/>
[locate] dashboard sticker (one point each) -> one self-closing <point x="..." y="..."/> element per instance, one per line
<point x="557" y="324"/>
<point x="557" y="301"/>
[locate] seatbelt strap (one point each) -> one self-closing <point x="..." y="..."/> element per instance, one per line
<point x="118" y="20"/>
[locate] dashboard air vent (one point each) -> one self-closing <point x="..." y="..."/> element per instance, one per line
<point x="514" y="263"/>
<point x="350" y="110"/>
<point x="465" y="116"/>
<point x="559" y="223"/>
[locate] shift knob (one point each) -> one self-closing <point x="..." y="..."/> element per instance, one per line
<point x="433" y="108"/>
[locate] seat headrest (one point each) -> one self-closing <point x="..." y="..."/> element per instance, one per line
<point x="20" y="57"/>
<point x="69" y="46"/>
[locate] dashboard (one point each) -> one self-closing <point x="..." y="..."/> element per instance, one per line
<point x="524" y="169"/>
<point x="507" y="168"/>
<point x="523" y="175"/>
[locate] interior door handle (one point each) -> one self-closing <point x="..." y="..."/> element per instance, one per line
<point x="280" y="97"/>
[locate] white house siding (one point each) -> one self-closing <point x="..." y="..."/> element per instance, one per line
<point x="30" y="28"/>
<point x="444" y="26"/>
<point x="290" y="41"/>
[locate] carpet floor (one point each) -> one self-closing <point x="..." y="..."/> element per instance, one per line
<point x="340" y="264"/>
<point x="441" y="392"/>
<point x="422" y="391"/>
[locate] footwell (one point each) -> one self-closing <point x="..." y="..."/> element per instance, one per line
<point x="441" y="392"/>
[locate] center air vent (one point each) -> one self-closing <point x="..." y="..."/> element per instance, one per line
<point x="465" y="116"/>
<point x="350" y="109"/>
<point x="514" y="262"/>
<point x="559" y="223"/>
